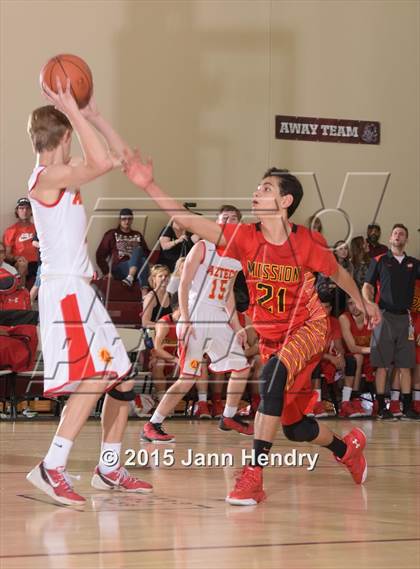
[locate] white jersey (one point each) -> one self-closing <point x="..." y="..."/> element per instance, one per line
<point x="61" y="229"/>
<point x="213" y="280"/>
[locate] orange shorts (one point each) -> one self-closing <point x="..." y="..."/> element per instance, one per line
<point x="301" y="352"/>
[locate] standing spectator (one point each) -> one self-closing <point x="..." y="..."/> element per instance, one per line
<point x="17" y="239"/>
<point x="360" y="258"/>
<point x="174" y="242"/>
<point x="342" y="254"/>
<point x="314" y="223"/>
<point x="373" y="235"/>
<point x="127" y="251"/>
<point x="393" y="339"/>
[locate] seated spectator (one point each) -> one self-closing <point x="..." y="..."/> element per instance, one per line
<point x="17" y="240"/>
<point x="156" y="303"/>
<point x="3" y="265"/>
<point x="164" y="361"/>
<point x="356" y="336"/>
<point x="174" y="243"/>
<point x="175" y="277"/>
<point x="327" y="287"/>
<point x="35" y="288"/>
<point x="13" y="295"/>
<point x="314" y="223"/>
<point x="334" y="359"/>
<point x="359" y="248"/>
<point x="373" y="235"/>
<point x="342" y="254"/>
<point x="126" y="251"/>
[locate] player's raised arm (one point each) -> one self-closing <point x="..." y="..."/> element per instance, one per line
<point x="96" y="159"/>
<point x="141" y="174"/>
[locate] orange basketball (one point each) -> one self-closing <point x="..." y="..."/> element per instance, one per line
<point x="68" y="66"/>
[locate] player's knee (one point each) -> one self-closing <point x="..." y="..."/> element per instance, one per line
<point x="127" y="385"/>
<point x="124" y="391"/>
<point x="272" y="384"/>
<point x="306" y="430"/>
<point x="351" y="365"/>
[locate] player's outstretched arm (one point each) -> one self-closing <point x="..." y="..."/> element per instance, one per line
<point x="96" y="160"/>
<point x="345" y="281"/>
<point x="141" y="174"/>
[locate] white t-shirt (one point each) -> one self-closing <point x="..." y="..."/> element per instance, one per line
<point x="8" y="268"/>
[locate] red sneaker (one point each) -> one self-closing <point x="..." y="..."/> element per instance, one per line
<point x="153" y="433"/>
<point x="248" y="489"/>
<point x="119" y="480"/>
<point x="319" y="410"/>
<point x="359" y="409"/>
<point x="415" y="405"/>
<point x="347" y="410"/>
<point x="56" y="483"/>
<point x="202" y="410"/>
<point x="395" y="408"/>
<point x="354" y="459"/>
<point x="217" y="409"/>
<point x="237" y="424"/>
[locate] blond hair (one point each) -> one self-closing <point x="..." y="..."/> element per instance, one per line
<point x="177" y="268"/>
<point x="46" y="127"/>
<point x="154" y="271"/>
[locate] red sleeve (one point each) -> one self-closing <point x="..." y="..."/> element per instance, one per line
<point x="235" y="236"/>
<point x="8" y="236"/>
<point x="320" y="259"/>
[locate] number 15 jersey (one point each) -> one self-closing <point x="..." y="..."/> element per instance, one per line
<point x="213" y="279"/>
<point x="280" y="277"/>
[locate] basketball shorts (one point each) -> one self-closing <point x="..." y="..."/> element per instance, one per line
<point x="78" y="339"/>
<point x="300" y="351"/>
<point x="391" y="343"/>
<point x="212" y="336"/>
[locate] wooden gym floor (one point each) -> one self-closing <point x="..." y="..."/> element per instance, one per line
<point x="311" y="520"/>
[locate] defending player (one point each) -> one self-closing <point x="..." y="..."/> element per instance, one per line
<point x="83" y="354"/>
<point x="278" y="259"/>
<point x="208" y="325"/>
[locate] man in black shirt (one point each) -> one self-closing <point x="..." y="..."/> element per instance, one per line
<point x="392" y="342"/>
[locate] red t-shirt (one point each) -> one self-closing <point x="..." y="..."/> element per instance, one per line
<point x="361" y="335"/>
<point x="280" y="277"/>
<point x="19" y="238"/>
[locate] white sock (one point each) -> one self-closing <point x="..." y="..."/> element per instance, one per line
<point x="202" y="397"/>
<point x="110" y="457"/>
<point x="58" y="453"/>
<point x="416" y="395"/>
<point x="346" y="394"/>
<point x="157" y="418"/>
<point x="229" y="411"/>
<point x="318" y="391"/>
<point x="395" y="394"/>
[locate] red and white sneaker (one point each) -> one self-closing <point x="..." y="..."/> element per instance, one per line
<point x="237" y="424"/>
<point x="119" y="480"/>
<point x="217" y="409"/>
<point x="153" y="433"/>
<point x="415" y="405"/>
<point x="319" y="410"/>
<point x="354" y="459"/>
<point x="347" y="410"/>
<point x="56" y="483"/>
<point x="248" y="490"/>
<point x="359" y="409"/>
<point x="202" y="410"/>
<point x="395" y="408"/>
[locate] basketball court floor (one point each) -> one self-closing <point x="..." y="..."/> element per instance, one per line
<point x="311" y="519"/>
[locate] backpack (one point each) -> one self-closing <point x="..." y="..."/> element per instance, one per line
<point x="18" y="347"/>
<point x="12" y="297"/>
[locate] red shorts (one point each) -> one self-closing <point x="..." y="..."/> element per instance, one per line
<point x="301" y="352"/>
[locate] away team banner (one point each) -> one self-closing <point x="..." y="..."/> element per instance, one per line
<point x="327" y="130"/>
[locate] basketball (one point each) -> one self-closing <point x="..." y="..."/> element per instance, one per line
<point x="68" y="66"/>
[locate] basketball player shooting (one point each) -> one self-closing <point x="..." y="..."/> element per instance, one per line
<point x="83" y="355"/>
<point x="278" y="259"/>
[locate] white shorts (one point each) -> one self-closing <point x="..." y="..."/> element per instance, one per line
<point x="78" y="339"/>
<point x="214" y="337"/>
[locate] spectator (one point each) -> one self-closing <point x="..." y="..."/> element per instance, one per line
<point x="175" y="277"/>
<point x="314" y="223"/>
<point x="373" y="235"/>
<point x="127" y="251"/>
<point x="326" y="287"/>
<point x="359" y="248"/>
<point x="342" y="254"/>
<point x="393" y="339"/>
<point x="174" y="242"/>
<point x="17" y="239"/>
<point x="157" y="303"/>
<point x="3" y="265"/>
